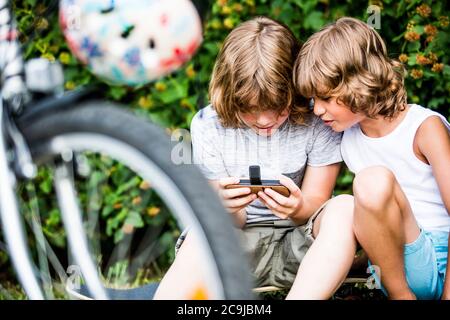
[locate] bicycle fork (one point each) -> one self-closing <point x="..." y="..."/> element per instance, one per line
<point x="11" y="222"/>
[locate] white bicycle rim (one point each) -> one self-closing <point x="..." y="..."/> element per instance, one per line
<point x="165" y="187"/>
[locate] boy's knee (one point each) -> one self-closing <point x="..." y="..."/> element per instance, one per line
<point x="339" y="209"/>
<point x="373" y="187"/>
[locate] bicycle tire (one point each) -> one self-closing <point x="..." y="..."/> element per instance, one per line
<point x="113" y="121"/>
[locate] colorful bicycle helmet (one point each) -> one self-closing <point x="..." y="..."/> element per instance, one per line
<point x="131" y="42"/>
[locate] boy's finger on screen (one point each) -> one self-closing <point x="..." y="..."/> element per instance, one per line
<point x="235" y="192"/>
<point x="288" y="183"/>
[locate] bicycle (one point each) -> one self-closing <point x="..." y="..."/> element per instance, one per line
<point x="86" y="144"/>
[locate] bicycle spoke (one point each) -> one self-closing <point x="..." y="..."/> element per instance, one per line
<point x="72" y="219"/>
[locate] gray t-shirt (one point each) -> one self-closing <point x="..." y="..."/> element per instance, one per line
<point x="227" y="152"/>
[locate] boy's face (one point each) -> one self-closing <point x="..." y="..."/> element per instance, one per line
<point x="336" y="115"/>
<point x="264" y="123"/>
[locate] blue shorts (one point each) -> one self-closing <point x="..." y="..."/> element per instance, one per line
<point x="425" y="265"/>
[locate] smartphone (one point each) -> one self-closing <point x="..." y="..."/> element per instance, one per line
<point x="255" y="188"/>
<point x="256" y="184"/>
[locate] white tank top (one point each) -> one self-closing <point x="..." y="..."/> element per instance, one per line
<point x="395" y="151"/>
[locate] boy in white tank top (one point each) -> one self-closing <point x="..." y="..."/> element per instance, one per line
<point x="399" y="153"/>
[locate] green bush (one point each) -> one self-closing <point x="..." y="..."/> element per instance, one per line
<point x="416" y="32"/>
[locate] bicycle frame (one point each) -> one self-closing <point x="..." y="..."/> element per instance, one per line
<point x="14" y="96"/>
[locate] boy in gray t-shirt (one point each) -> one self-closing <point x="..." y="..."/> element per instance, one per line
<point x="227" y="152"/>
<point x="255" y="118"/>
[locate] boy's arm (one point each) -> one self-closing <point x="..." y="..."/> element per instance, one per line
<point x="322" y="170"/>
<point x="433" y="141"/>
<point x="317" y="187"/>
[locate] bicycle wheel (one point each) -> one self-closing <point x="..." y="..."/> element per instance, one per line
<point x="133" y="198"/>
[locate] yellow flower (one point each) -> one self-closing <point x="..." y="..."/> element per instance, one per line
<point x="186" y="104"/>
<point x="416" y="73"/>
<point x="160" y="86"/>
<point x="190" y="71"/>
<point x="64" y="57"/>
<point x="412" y="36"/>
<point x="70" y="85"/>
<point x="437" y="67"/>
<point x="430" y="30"/>
<point x="238" y="7"/>
<point x="145" y="102"/>
<point x="410" y="25"/>
<point x="216" y="24"/>
<point x="403" y="58"/>
<point x="136" y="201"/>
<point x="433" y="56"/>
<point x="228" y="23"/>
<point x="153" y="211"/>
<point x="144" y="185"/>
<point x="422" y="60"/>
<point x="443" y="21"/>
<point x="226" y="10"/>
<point x="424" y="10"/>
<point x="250" y="3"/>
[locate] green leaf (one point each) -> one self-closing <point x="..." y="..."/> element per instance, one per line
<point x="135" y="219"/>
<point x="446" y="70"/>
<point x="397" y="38"/>
<point x="435" y="102"/>
<point x="134" y="182"/>
<point x="107" y="210"/>
<point x="314" y="20"/>
<point x="176" y="90"/>
<point x="419" y="29"/>
<point x="118" y="236"/>
<point x="117" y="92"/>
<point x="414" y="46"/>
<point x="306" y="6"/>
<point x="46" y="186"/>
<point x="412" y="60"/>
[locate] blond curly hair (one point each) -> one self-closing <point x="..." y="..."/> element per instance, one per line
<point x="348" y="60"/>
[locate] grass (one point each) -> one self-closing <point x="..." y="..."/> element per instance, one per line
<point x="345" y="292"/>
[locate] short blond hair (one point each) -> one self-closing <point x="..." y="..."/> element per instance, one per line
<point x="348" y="60"/>
<point x="253" y="72"/>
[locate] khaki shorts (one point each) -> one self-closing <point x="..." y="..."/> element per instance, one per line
<point x="276" y="248"/>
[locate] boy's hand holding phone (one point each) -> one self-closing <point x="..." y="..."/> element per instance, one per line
<point x="234" y="199"/>
<point x="283" y="197"/>
<point x="282" y="206"/>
